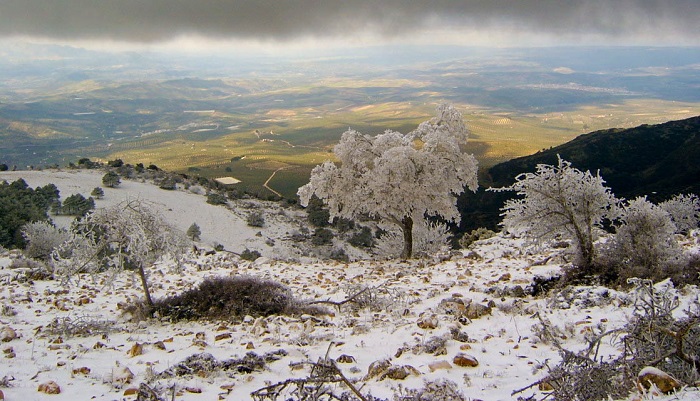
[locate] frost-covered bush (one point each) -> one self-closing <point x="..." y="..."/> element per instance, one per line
<point x="437" y="390"/>
<point x="560" y="201"/>
<point x="41" y="238"/>
<point x="684" y="211"/>
<point x="398" y="179"/>
<point x="644" y="241"/>
<point x="475" y="235"/>
<point x="255" y="219"/>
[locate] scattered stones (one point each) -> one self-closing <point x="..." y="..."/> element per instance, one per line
<point x="8" y="334"/>
<point x="650" y="376"/>
<point x="383" y="369"/>
<point x="159" y="345"/>
<point x="83" y="370"/>
<point x="465" y="360"/>
<point x="50" y="387"/>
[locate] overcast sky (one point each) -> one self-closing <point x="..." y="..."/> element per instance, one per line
<point x="285" y="23"/>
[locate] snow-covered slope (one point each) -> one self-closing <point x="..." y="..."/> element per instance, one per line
<point x="421" y="317"/>
<point x="225" y="226"/>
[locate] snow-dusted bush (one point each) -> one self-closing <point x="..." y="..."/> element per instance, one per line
<point x="475" y="235"/>
<point x="255" y="219"/>
<point x="42" y="237"/>
<point x="560" y="201"/>
<point x="684" y="210"/>
<point x="399" y="179"/>
<point x="644" y="241"/>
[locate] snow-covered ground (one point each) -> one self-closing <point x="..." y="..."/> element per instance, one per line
<point x="415" y="319"/>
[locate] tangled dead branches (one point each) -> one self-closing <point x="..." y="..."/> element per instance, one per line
<point x="653" y="337"/>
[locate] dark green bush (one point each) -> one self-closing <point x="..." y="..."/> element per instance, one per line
<point x="216" y="199"/>
<point x="362" y="238"/>
<point x="322" y="236"/>
<point x="227" y="298"/>
<point x="247" y="254"/>
<point x="318" y="215"/>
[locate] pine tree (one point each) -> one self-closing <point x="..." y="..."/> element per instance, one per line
<point x="194" y="232"/>
<point x="98" y="193"/>
<point x="111" y="179"/>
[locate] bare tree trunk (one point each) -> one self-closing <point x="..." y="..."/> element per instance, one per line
<point x="144" y="283"/>
<point x="407" y="222"/>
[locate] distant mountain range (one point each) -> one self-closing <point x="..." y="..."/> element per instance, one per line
<point x="654" y="160"/>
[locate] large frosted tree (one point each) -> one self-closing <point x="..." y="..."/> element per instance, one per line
<point x="560" y="201"/>
<point x="398" y="178"/>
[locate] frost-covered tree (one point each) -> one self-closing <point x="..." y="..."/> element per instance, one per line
<point x="644" y="240"/>
<point x="560" y="201"/>
<point x="128" y="236"/>
<point x="684" y="211"/>
<point x="398" y="178"/>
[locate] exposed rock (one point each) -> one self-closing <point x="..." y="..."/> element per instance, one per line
<point x="428" y="321"/>
<point x="383" y="369"/>
<point x="131" y="391"/>
<point x="376" y="368"/>
<point x="345" y="359"/>
<point x="8" y="334"/>
<point x="652" y="376"/>
<point x="545" y="386"/>
<point x="437" y="365"/>
<point x="50" y="387"/>
<point x="477" y="310"/>
<point x="121" y="375"/>
<point x="135" y="350"/>
<point x="465" y="360"/>
<point x="399" y="372"/>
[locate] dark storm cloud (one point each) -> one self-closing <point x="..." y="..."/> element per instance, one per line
<point x="157" y="20"/>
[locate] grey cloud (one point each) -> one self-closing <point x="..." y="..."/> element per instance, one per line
<point x="158" y="20"/>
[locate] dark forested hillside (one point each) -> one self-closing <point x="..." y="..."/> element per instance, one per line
<point x="655" y="160"/>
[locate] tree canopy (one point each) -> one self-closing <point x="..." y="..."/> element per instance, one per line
<point x="398" y="178"/>
<point x="20" y="204"/>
